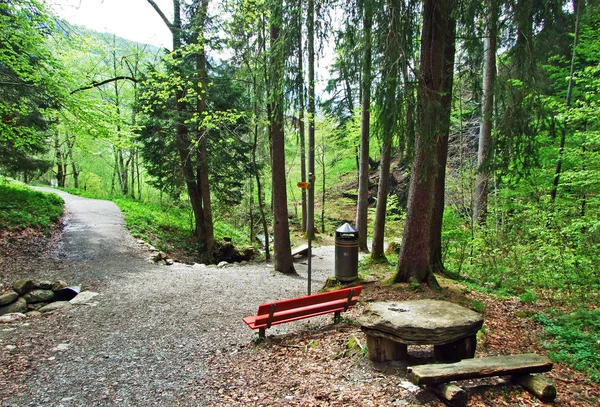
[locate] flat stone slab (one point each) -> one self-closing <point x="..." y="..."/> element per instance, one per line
<point x="420" y="322"/>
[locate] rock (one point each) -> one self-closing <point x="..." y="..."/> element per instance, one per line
<point x="222" y="264"/>
<point x="169" y="262"/>
<point x="33" y="314"/>
<point x="36" y="306"/>
<point x="159" y="256"/>
<point x="23" y="286"/>
<point x="53" y="306"/>
<point x="59" y="285"/>
<point x="12" y="317"/>
<point x="42" y="284"/>
<point x="83" y="297"/>
<point x="19" y="306"/>
<point x="422" y="321"/>
<point x="8" y="298"/>
<point x="35" y="296"/>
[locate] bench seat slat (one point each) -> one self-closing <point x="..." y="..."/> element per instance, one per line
<point x="479" y="367"/>
<point x="303" y="307"/>
<point x="279" y="317"/>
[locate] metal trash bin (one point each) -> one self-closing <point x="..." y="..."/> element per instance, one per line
<point x="346" y="253"/>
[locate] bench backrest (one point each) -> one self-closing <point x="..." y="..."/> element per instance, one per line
<point x="316" y="304"/>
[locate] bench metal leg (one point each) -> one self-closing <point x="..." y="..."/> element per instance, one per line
<point x="261" y="333"/>
<point x="337" y="316"/>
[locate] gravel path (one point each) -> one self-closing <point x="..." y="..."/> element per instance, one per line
<point x="146" y="340"/>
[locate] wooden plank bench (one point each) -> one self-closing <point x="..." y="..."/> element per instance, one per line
<point x="279" y="312"/>
<point x="519" y="367"/>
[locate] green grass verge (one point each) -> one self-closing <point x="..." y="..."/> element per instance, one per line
<point x="576" y="339"/>
<point x="21" y="207"/>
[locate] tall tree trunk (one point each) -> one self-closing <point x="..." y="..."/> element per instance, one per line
<point x="382" y="193"/>
<point x="363" y="177"/>
<point x="282" y="259"/>
<point x="190" y="157"/>
<point x="487" y="112"/>
<point x="563" y="134"/>
<point x="435" y="262"/>
<point x="387" y="118"/>
<point x="203" y="181"/>
<point x="416" y="253"/>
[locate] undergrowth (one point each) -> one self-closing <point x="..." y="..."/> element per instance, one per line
<point x="21" y="207"/>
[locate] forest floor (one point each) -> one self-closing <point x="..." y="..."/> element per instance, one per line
<point x="173" y="335"/>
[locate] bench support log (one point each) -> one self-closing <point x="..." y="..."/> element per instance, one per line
<point x="450" y="393"/>
<point x="538" y="386"/>
<point x="383" y="349"/>
<point x="458" y="350"/>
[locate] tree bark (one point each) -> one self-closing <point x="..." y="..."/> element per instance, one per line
<point x="487" y="112"/>
<point x="563" y="134"/>
<point x="363" y="177"/>
<point x="282" y="259"/>
<point x="436" y="264"/>
<point x="416" y="253"/>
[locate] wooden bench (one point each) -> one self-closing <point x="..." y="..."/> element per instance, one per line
<point x="293" y="309"/>
<point x="519" y="367"/>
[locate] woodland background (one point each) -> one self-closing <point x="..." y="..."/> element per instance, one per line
<point x="485" y="110"/>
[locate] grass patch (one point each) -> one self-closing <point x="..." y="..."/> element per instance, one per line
<point x="21" y="207"/>
<point x="576" y="339"/>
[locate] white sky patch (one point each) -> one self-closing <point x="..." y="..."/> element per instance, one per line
<point x="134" y="20"/>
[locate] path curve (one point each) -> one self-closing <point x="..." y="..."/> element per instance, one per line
<point x="146" y="340"/>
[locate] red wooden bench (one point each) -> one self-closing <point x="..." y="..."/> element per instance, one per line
<point x="293" y="309"/>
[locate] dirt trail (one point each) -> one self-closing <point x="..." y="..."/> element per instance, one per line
<point x="146" y="340"/>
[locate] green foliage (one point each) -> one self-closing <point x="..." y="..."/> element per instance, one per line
<point x="576" y="339"/>
<point x="21" y="207"/>
<point x="29" y="91"/>
<point x="168" y="227"/>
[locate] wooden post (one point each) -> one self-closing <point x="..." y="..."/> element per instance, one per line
<point x="458" y="350"/>
<point x="450" y="393"/>
<point x="538" y="386"/>
<point x="383" y="349"/>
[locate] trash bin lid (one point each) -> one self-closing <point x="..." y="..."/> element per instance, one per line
<point x="346" y="230"/>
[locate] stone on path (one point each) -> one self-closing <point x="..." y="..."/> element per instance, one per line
<point x="36" y="296"/>
<point x="12" y="317"/>
<point x="53" y="306"/>
<point x="83" y="297"/>
<point x="23" y="286"/>
<point x="8" y="298"/>
<point x="19" y="306"/>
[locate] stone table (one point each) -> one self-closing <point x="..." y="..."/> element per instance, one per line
<point x="391" y="326"/>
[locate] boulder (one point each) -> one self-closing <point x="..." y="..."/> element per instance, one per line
<point x="36" y="306"/>
<point x="12" y="317"/>
<point x="33" y="314"/>
<point x="421" y="321"/>
<point x="42" y="285"/>
<point x="19" y="306"/>
<point x="23" y="286"/>
<point x="59" y="285"/>
<point x="8" y="298"/>
<point x="36" y="296"/>
<point x="83" y="297"/>
<point x="53" y="306"/>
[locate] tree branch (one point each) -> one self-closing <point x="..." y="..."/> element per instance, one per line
<point x="104" y="82"/>
<point x="162" y="15"/>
